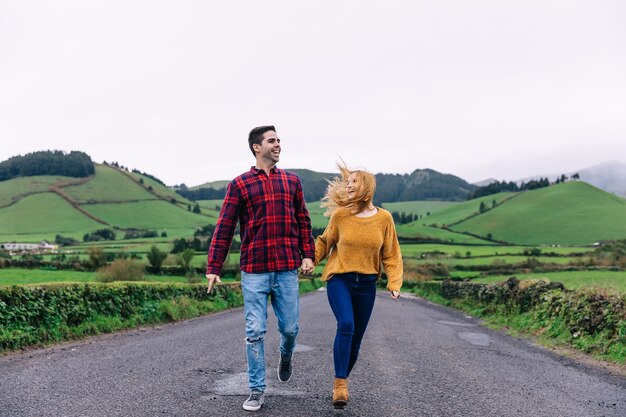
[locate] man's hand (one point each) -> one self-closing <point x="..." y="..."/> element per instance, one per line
<point x="395" y="294"/>
<point x="212" y="278"/>
<point x="307" y="266"/>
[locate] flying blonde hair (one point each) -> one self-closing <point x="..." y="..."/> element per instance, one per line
<point x="337" y="193"/>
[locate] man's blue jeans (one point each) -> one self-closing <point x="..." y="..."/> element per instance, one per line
<point x="282" y="289"/>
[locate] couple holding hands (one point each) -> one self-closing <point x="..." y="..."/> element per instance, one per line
<point x="276" y="240"/>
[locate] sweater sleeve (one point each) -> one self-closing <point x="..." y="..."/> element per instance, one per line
<point x="392" y="257"/>
<point x="325" y="242"/>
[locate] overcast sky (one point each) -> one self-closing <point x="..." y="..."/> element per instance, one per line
<point x="503" y="89"/>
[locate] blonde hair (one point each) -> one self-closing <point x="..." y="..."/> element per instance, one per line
<point x="337" y="192"/>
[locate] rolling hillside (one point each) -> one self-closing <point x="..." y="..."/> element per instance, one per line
<point x="39" y="207"/>
<point x="572" y="213"/>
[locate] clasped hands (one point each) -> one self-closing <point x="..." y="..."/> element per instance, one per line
<point x="307" y="268"/>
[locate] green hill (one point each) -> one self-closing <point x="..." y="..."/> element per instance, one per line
<point x="463" y="210"/>
<point x="43" y="216"/>
<point x="572" y="213"/>
<point x="39" y="207"/>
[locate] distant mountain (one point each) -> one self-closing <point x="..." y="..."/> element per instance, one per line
<point x="608" y="176"/>
<point x="484" y="183"/>
<point x="421" y="184"/>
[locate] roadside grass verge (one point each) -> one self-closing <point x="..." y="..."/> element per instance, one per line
<point x="590" y="319"/>
<point x="39" y="315"/>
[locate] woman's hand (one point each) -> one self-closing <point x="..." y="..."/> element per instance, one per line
<point x="395" y="294"/>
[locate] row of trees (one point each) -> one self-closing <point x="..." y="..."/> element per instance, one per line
<point x="499" y="187"/>
<point x="74" y="164"/>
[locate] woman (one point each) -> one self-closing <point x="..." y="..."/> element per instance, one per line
<point x="358" y="238"/>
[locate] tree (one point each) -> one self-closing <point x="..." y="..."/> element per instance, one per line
<point x="184" y="258"/>
<point x="97" y="257"/>
<point x="196" y="209"/>
<point x="482" y="208"/>
<point x="576" y="176"/>
<point x="493" y="203"/>
<point x="156" y="257"/>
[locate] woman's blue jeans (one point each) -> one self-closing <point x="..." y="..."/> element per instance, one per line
<point x="282" y="289"/>
<point x="351" y="297"/>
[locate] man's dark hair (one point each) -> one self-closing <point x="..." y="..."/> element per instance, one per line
<point x="256" y="136"/>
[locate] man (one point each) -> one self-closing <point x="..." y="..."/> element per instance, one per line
<point x="276" y="238"/>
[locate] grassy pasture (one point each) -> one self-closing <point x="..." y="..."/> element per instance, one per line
<point x="462" y="210"/>
<point x="108" y="185"/>
<point x="41" y="215"/>
<point x="416" y="229"/>
<point x="154" y="215"/>
<point x="572" y="279"/>
<point x="214" y="205"/>
<point x="19" y="276"/>
<point x="488" y="260"/>
<point x="213" y="184"/>
<point x="573" y="213"/>
<point x="418" y="207"/>
<point x="415" y="250"/>
<point x="25" y="185"/>
<point x="160" y="189"/>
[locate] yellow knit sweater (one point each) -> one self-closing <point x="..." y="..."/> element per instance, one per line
<point x="361" y="244"/>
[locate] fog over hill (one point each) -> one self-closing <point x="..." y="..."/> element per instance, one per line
<point x="609" y="176"/>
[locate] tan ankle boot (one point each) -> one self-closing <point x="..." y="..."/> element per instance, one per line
<point x="340" y="393"/>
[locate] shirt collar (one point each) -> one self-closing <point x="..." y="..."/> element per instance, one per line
<point x="257" y="171"/>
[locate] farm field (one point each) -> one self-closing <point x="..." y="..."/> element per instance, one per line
<point x="154" y="215"/>
<point x="573" y="280"/>
<point x="19" y="276"/>
<point x="419" y="207"/>
<point x="416" y="230"/>
<point x="462" y="210"/>
<point x="489" y="260"/>
<point x="17" y="187"/>
<point x="108" y="185"/>
<point x="43" y="215"/>
<point x="574" y="213"/>
<point x="415" y="250"/>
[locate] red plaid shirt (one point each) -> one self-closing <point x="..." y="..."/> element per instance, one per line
<point x="275" y="226"/>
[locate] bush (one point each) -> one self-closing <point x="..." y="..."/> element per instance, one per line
<point x="121" y="270"/>
<point x="591" y="319"/>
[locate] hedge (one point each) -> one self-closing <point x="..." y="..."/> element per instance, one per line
<point x="41" y="314"/>
<point x="592" y="319"/>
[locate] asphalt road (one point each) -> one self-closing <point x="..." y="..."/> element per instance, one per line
<point x="417" y="359"/>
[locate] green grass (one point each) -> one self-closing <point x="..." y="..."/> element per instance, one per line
<point x="573" y="213"/>
<point x="20" y="276"/>
<point x="108" y="185"/>
<point x="417" y="230"/>
<point x="415" y="249"/>
<point x="419" y="207"/>
<point x="153" y="215"/>
<point x="43" y="215"/>
<point x="160" y="189"/>
<point x="572" y="279"/>
<point x="214" y="205"/>
<point x="492" y="259"/>
<point x="213" y="184"/>
<point x="15" y="188"/>
<point x="460" y="211"/>
<point x="317" y="214"/>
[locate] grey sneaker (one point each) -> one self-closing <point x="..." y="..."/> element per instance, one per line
<point x="285" y="368"/>
<point x="254" y="401"/>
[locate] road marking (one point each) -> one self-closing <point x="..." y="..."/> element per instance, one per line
<point x="478" y="339"/>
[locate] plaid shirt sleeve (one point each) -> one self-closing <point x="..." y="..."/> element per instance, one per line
<point x="224" y="230"/>
<point x="306" y="243"/>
